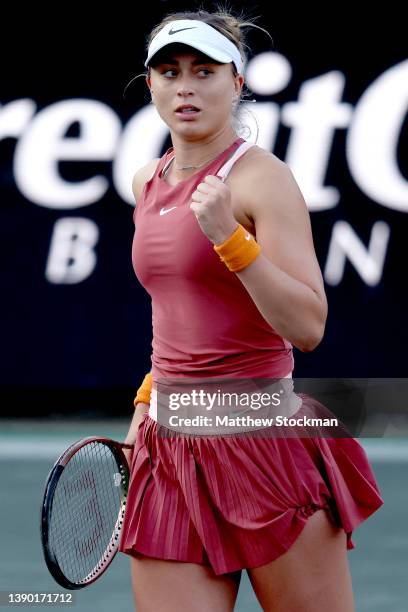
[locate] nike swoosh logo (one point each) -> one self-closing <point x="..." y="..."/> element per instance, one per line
<point x="163" y="211"/>
<point x="181" y="30"/>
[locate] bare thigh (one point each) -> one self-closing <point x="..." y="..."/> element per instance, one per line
<point x="312" y="576"/>
<point x="170" y="586"/>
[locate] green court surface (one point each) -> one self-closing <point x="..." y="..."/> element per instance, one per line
<point x="379" y="563"/>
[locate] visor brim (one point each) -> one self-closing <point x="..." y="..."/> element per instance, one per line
<point x="205" y="48"/>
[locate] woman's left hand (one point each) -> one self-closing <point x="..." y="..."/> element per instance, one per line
<point x="211" y="204"/>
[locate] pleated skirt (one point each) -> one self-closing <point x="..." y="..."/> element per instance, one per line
<point x="240" y="501"/>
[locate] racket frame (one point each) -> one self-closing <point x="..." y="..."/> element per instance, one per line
<point x="46" y="511"/>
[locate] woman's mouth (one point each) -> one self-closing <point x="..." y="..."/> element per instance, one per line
<point x="187" y="111"/>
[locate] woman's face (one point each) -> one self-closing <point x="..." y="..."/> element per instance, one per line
<point x="191" y="78"/>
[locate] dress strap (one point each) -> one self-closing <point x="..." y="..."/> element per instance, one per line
<point x="166" y="165"/>
<point x="226" y="168"/>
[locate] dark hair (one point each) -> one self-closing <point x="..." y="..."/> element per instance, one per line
<point x="227" y="23"/>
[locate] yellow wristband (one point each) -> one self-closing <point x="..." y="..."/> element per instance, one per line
<point x="143" y="393"/>
<point x="239" y="250"/>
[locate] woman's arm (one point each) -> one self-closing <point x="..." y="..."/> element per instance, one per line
<point x="141" y="407"/>
<point x="140" y="410"/>
<point x="141" y="403"/>
<point x="284" y="281"/>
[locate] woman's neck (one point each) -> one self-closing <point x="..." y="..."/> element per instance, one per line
<point x="189" y="156"/>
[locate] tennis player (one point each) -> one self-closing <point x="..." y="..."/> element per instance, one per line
<point x="223" y="245"/>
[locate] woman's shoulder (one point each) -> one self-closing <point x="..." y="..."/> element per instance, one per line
<point x="260" y="168"/>
<point x="255" y="161"/>
<point x="142" y="175"/>
<point x="256" y="167"/>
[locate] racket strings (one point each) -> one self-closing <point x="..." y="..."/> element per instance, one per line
<point x="88" y="504"/>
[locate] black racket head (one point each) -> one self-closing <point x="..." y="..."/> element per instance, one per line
<point x="83" y="510"/>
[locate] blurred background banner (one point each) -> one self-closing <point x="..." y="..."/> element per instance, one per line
<point x="331" y="101"/>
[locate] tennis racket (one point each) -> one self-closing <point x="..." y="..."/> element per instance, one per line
<point x="83" y="509"/>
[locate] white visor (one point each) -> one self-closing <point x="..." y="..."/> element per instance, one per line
<point x="200" y="36"/>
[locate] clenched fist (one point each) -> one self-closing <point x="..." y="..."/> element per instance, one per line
<point x="211" y="204"/>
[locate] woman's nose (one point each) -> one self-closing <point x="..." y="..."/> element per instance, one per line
<point x="185" y="87"/>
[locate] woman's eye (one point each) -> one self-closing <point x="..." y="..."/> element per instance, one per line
<point x="170" y="73"/>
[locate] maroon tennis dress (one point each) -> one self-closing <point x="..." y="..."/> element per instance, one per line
<point x="228" y="501"/>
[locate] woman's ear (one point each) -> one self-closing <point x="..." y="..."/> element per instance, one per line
<point x="239" y="83"/>
<point x="149" y="84"/>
